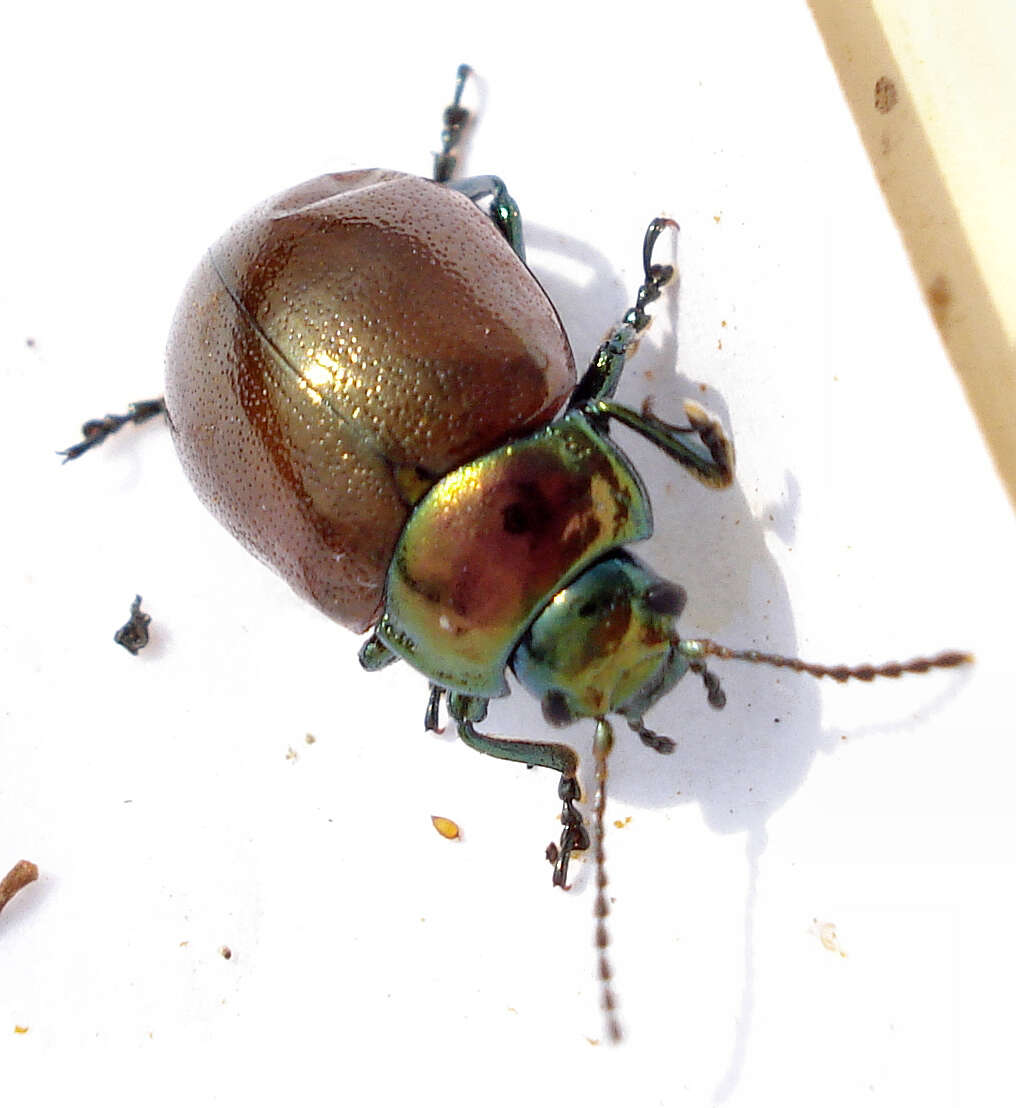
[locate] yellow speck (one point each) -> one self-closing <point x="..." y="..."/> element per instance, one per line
<point x="619" y="823"/>
<point x="827" y="937"/>
<point x="309" y="739"/>
<point x="19" y="1030"/>
<point x="446" y="827"/>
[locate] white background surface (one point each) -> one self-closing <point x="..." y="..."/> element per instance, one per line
<point x="372" y="960"/>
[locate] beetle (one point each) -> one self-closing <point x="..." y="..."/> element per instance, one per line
<point x="368" y="387"/>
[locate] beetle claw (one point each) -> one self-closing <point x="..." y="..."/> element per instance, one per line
<point x="574" y="836"/>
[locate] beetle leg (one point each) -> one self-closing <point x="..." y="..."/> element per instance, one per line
<point x="702" y="447"/>
<point x="455" y="120"/>
<point x="601" y="378"/>
<point x="466" y="710"/>
<point x="503" y="212"/>
<point x="98" y="430"/>
<point x="430" y="718"/>
<point x="375" y="655"/>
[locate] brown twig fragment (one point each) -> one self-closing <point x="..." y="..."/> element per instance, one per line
<point x="23" y="873"/>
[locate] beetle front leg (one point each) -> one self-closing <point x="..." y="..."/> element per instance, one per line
<point x="96" y="431"/>
<point x="466" y="710"/>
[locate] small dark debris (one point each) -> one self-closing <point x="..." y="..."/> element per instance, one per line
<point x="552" y="853"/>
<point x="225" y="952"/>
<point x="30" y="343"/>
<point x="133" y="636"/>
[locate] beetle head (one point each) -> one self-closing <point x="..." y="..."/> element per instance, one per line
<point x="605" y="643"/>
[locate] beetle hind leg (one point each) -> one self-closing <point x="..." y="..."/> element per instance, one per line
<point x="96" y="431"/>
<point x="455" y="119"/>
<point x="503" y="211"/>
<point x="467" y="710"/>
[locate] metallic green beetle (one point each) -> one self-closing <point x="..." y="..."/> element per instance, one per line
<point x="362" y="380"/>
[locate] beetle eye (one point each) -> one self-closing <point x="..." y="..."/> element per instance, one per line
<point x="665" y="599"/>
<point x="555" y="709"/>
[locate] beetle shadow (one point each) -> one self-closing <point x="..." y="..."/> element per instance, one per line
<point x="738" y="765"/>
<point x="741" y="764"/>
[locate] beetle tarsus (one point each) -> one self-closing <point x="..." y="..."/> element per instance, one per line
<point x="455" y="119"/>
<point x="96" y="431"/>
<point x="466" y="710"/>
<point x="656" y="276"/>
<point x="574" y="836"/>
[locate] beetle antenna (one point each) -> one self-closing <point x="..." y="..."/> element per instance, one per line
<point x="697" y="649"/>
<point x="455" y="120"/>
<point x="602" y="744"/>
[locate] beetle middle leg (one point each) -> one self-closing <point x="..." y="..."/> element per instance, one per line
<point x="702" y="446"/>
<point x="467" y="710"/>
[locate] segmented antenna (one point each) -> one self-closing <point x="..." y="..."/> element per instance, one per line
<point x="696" y="649"/>
<point x="602" y="744"/>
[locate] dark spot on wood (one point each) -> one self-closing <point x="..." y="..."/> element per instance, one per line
<point x="939" y="296"/>
<point x="886" y="95"/>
